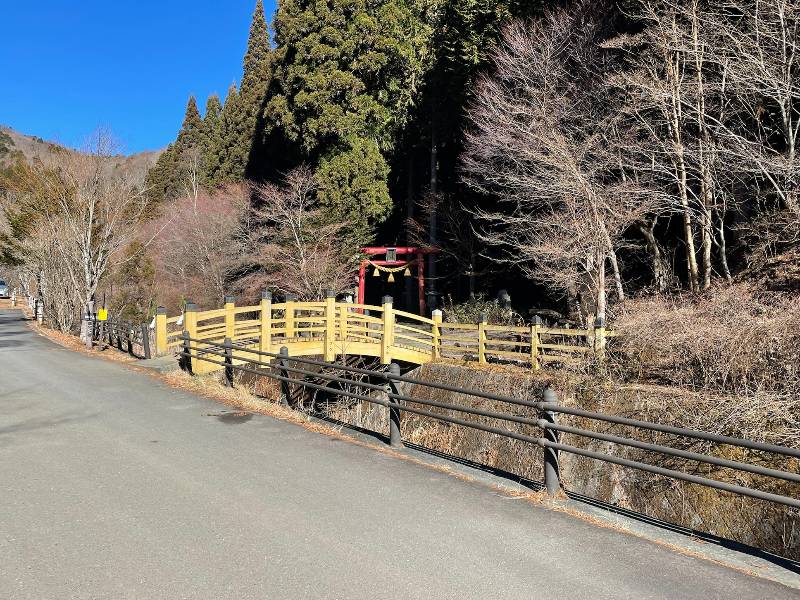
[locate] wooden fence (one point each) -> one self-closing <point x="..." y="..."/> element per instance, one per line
<point x="329" y="329"/>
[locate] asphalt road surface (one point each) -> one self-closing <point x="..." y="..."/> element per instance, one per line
<point x="113" y="485"/>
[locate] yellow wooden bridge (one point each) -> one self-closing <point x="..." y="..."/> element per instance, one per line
<point x="332" y="329"/>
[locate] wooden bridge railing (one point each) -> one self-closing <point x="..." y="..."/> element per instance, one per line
<point x="330" y="329"/>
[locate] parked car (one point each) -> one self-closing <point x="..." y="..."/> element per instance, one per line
<point x="4" y="291"/>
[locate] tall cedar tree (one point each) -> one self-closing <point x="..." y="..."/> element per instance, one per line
<point x="211" y="144"/>
<point x="345" y="77"/>
<point x="167" y="179"/>
<point x="241" y="116"/>
<point x="229" y="121"/>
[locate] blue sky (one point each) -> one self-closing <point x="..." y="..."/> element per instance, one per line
<point x="68" y="67"/>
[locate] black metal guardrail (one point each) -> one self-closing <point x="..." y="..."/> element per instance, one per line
<point x="122" y="335"/>
<point x="277" y="366"/>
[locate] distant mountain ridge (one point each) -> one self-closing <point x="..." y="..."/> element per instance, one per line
<point x="13" y="144"/>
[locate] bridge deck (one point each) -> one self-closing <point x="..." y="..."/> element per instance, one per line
<point x="113" y="485"/>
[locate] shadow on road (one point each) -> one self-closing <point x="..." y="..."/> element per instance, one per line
<point x="44" y="423"/>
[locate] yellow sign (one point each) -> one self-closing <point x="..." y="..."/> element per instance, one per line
<point x="102" y="314"/>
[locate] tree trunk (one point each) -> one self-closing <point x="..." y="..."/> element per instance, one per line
<point x="433" y="224"/>
<point x="612" y="257"/>
<point x="672" y="61"/>
<point x="409" y="197"/>
<point x="723" y="249"/>
<point x="707" y="228"/>
<point x="600" y="303"/>
<point x="656" y="256"/>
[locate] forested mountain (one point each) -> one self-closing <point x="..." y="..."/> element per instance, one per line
<point x="663" y="151"/>
<point x="370" y="94"/>
<point x="14" y="144"/>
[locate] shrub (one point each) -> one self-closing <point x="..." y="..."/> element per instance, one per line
<point x="470" y="312"/>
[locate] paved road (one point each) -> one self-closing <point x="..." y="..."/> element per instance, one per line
<point x="115" y="486"/>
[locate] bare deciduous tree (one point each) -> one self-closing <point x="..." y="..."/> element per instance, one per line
<point x="542" y="142"/>
<point x="295" y="249"/>
<point x="200" y="242"/>
<point x="79" y="211"/>
<point x="712" y="90"/>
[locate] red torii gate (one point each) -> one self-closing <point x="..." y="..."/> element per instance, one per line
<point x="392" y="254"/>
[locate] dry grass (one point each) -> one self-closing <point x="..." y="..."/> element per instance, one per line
<point x="733" y="339"/>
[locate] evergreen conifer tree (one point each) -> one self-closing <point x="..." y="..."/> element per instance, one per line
<point x="168" y="177"/>
<point x="346" y="74"/>
<point x="192" y="129"/>
<point x="241" y="118"/>
<point x="230" y="118"/>
<point x="211" y="140"/>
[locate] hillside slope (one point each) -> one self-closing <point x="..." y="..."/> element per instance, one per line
<point x="13" y="144"/>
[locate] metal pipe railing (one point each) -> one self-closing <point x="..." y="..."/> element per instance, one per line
<point x="278" y="368"/>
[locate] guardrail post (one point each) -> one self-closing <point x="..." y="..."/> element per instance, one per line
<point x="230" y="317"/>
<point x="186" y="359"/>
<point x="436" y="331"/>
<point x="129" y="332"/>
<point x="551" y="470"/>
<point x="228" y="347"/>
<point x="101" y="336"/>
<point x="387" y="339"/>
<point x="146" y="341"/>
<point x="330" y="326"/>
<point x="600" y="336"/>
<point x="290" y="308"/>
<point x="117" y="328"/>
<point x="395" y="433"/>
<point x="482" y="338"/>
<point x="89" y="341"/>
<point x="265" y="335"/>
<point x="161" y="331"/>
<point x="286" y="390"/>
<point x="190" y="329"/>
<point x="535" y="327"/>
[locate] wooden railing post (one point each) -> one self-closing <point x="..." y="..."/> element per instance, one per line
<point x="436" y="331"/>
<point x="535" y="327"/>
<point x="290" y="308"/>
<point x="387" y="339"/>
<point x="161" y="331"/>
<point x="190" y="328"/>
<point x="599" y="337"/>
<point x="344" y="314"/>
<point x="230" y="317"/>
<point x="482" y="338"/>
<point x="330" y="326"/>
<point x="265" y="335"/>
